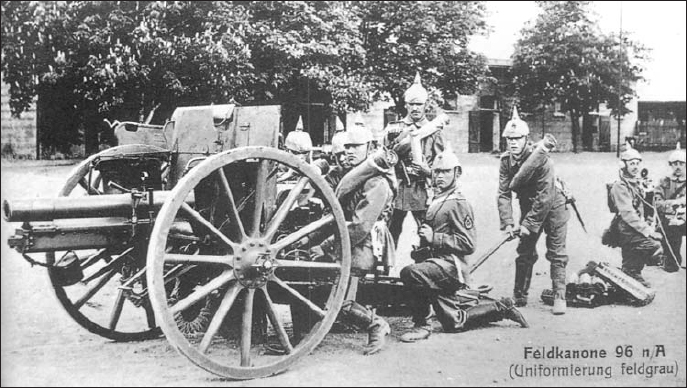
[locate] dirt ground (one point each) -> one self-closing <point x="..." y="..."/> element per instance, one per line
<point x="43" y="346"/>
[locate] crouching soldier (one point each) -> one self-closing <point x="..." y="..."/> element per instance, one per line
<point x="449" y="233"/>
<point x="366" y="196"/>
<point x="638" y="240"/>
<point x="669" y="199"/>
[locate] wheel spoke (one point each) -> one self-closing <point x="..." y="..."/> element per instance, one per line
<point x="247" y="328"/>
<point x="299" y="234"/>
<point x="117" y="309"/>
<point x="276" y="322"/>
<point x="298" y="296"/>
<point x="201" y="292"/>
<point x="285" y="207"/>
<point x="89" y="189"/>
<point x="109" y="266"/>
<point x="94" y="289"/>
<point x="150" y="314"/>
<point x="233" y="211"/>
<point x="217" y="320"/>
<point x="260" y="194"/>
<point x="208" y="225"/>
<point x="177" y="258"/>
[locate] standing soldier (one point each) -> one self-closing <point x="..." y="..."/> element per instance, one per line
<point x="297" y="142"/>
<point x="669" y="198"/>
<point x="637" y="239"/>
<point x="542" y="208"/>
<point x="412" y="192"/>
<point x="449" y="233"/>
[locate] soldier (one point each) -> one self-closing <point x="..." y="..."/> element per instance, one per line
<point x="412" y="193"/>
<point x="542" y="208"/>
<point x="298" y="143"/>
<point x="363" y="204"/>
<point x="669" y="199"/>
<point x="639" y="241"/>
<point x="449" y="232"/>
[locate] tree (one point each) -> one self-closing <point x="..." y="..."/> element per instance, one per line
<point x="92" y="60"/>
<point x="403" y="37"/>
<point x="87" y="61"/>
<point x="565" y="58"/>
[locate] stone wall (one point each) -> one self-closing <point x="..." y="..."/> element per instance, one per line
<point x="18" y="134"/>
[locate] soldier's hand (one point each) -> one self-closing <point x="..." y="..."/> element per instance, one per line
<point x="509" y="231"/>
<point x="426" y="233"/>
<point x="316" y="252"/>
<point x="656" y="236"/>
<point x="421" y="169"/>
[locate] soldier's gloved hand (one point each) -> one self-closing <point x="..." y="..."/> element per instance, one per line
<point x="656" y="236"/>
<point x="426" y="233"/>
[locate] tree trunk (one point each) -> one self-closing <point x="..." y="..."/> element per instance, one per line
<point x="587" y="133"/>
<point x="574" y="116"/>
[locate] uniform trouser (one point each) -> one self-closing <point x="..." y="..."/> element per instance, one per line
<point x="397" y="218"/>
<point x="429" y="283"/>
<point x="556" y="228"/>
<point x="636" y="250"/>
<point x="673" y="241"/>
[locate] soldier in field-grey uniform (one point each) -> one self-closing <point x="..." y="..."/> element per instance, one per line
<point x="412" y="176"/>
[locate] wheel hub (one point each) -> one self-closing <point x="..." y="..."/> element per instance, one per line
<point x="253" y="264"/>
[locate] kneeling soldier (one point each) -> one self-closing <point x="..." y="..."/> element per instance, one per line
<point x="449" y="233"/>
<point x="638" y="240"/>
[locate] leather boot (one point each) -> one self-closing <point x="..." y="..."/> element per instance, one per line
<point x="523" y="277"/>
<point x="511" y="313"/>
<point x="488" y="312"/>
<point x="559" y="288"/>
<point x="362" y="317"/>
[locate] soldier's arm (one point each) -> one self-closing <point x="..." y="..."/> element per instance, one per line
<point x="543" y="198"/>
<point x="505" y="195"/>
<point x="661" y="201"/>
<point x="536" y="160"/>
<point x="367" y="212"/>
<point x="622" y="197"/>
<point x="461" y="239"/>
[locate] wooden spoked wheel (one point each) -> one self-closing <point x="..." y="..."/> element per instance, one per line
<point x="106" y="301"/>
<point x="244" y="263"/>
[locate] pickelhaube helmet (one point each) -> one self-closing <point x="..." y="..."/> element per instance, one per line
<point x="446" y="160"/>
<point x="338" y="141"/>
<point x="298" y="140"/>
<point x="678" y="155"/>
<point x="358" y="135"/>
<point x="416" y="93"/>
<point x="516" y="127"/>
<point x="630" y="153"/>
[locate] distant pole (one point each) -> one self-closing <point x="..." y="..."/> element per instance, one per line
<point x="620" y="80"/>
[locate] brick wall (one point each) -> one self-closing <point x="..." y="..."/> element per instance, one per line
<point x="18" y="134"/>
<point x="457" y="130"/>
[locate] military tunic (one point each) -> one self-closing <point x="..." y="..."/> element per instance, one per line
<point x="370" y="202"/>
<point x="633" y="231"/>
<point x="542" y="207"/>
<point x="435" y="280"/>
<point x="668" y="193"/>
<point x="412" y="191"/>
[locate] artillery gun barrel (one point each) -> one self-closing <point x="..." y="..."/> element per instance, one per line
<point x="109" y="205"/>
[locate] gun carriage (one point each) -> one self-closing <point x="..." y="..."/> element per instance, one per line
<point x="180" y="230"/>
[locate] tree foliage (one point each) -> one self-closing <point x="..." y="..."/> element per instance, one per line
<point x="565" y="58"/>
<point x="402" y="37"/>
<point x="86" y="61"/>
